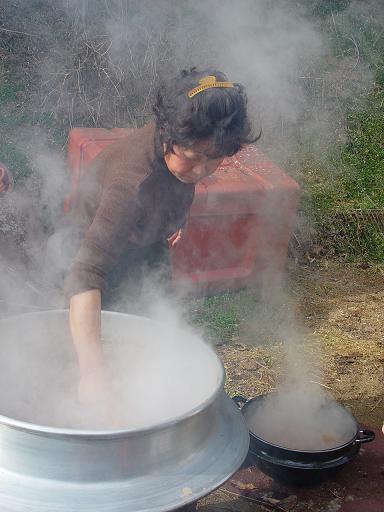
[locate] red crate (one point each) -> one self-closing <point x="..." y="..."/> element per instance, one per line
<point x="240" y="221"/>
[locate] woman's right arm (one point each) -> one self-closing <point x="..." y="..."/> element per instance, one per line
<point x="85" y="325"/>
<point x="99" y="252"/>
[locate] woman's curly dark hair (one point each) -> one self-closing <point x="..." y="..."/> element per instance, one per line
<point x="219" y="114"/>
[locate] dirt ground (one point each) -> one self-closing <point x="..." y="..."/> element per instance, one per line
<point x="338" y="319"/>
<point x="338" y="313"/>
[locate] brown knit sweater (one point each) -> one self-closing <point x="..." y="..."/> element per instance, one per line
<point x="127" y="198"/>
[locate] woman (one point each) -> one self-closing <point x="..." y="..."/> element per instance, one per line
<point x="137" y="196"/>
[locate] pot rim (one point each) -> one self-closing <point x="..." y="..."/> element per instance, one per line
<point x="109" y="433"/>
<point x="294" y="450"/>
<point x="206" y="469"/>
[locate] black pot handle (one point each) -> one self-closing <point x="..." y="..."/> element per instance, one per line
<point x="239" y="400"/>
<point x="365" y="436"/>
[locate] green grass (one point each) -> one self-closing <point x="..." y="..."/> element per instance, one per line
<point x="221" y="316"/>
<point x="217" y="316"/>
<point x="363" y="159"/>
<point x="353" y="175"/>
<point x="9" y="92"/>
<point x="15" y="114"/>
<point x="343" y="193"/>
<point x="351" y="178"/>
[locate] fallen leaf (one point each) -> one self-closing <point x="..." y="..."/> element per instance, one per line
<point x="272" y="501"/>
<point x="243" y="486"/>
<point x="289" y="503"/>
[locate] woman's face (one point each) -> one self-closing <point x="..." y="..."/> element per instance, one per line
<point x="191" y="165"/>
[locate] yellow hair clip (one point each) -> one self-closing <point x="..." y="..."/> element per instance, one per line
<point x="207" y="82"/>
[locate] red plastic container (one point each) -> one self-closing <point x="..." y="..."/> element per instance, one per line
<point x="240" y="221"/>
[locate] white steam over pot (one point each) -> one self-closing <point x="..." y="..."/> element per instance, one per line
<point x="181" y="436"/>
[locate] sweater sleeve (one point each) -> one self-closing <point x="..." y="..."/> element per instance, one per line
<point x="113" y="224"/>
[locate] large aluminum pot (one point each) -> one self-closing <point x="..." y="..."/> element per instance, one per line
<point x="155" y="466"/>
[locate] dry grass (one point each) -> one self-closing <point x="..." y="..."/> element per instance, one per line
<point x="341" y="314"/>
<point x="342" y="311"/>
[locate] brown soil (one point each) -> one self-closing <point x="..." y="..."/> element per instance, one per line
<point x="336" y="314"/>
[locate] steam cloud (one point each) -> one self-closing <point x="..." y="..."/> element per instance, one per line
<point x="268" y="45"/>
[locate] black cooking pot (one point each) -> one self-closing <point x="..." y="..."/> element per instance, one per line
<point x="298" y="467"/>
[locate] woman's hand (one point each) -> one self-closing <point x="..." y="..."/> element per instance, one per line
<point x="95" y="391"/>
<point x="175" y="238"/>
<point x="94" y="387"/>
<point x="96" y="395"/>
